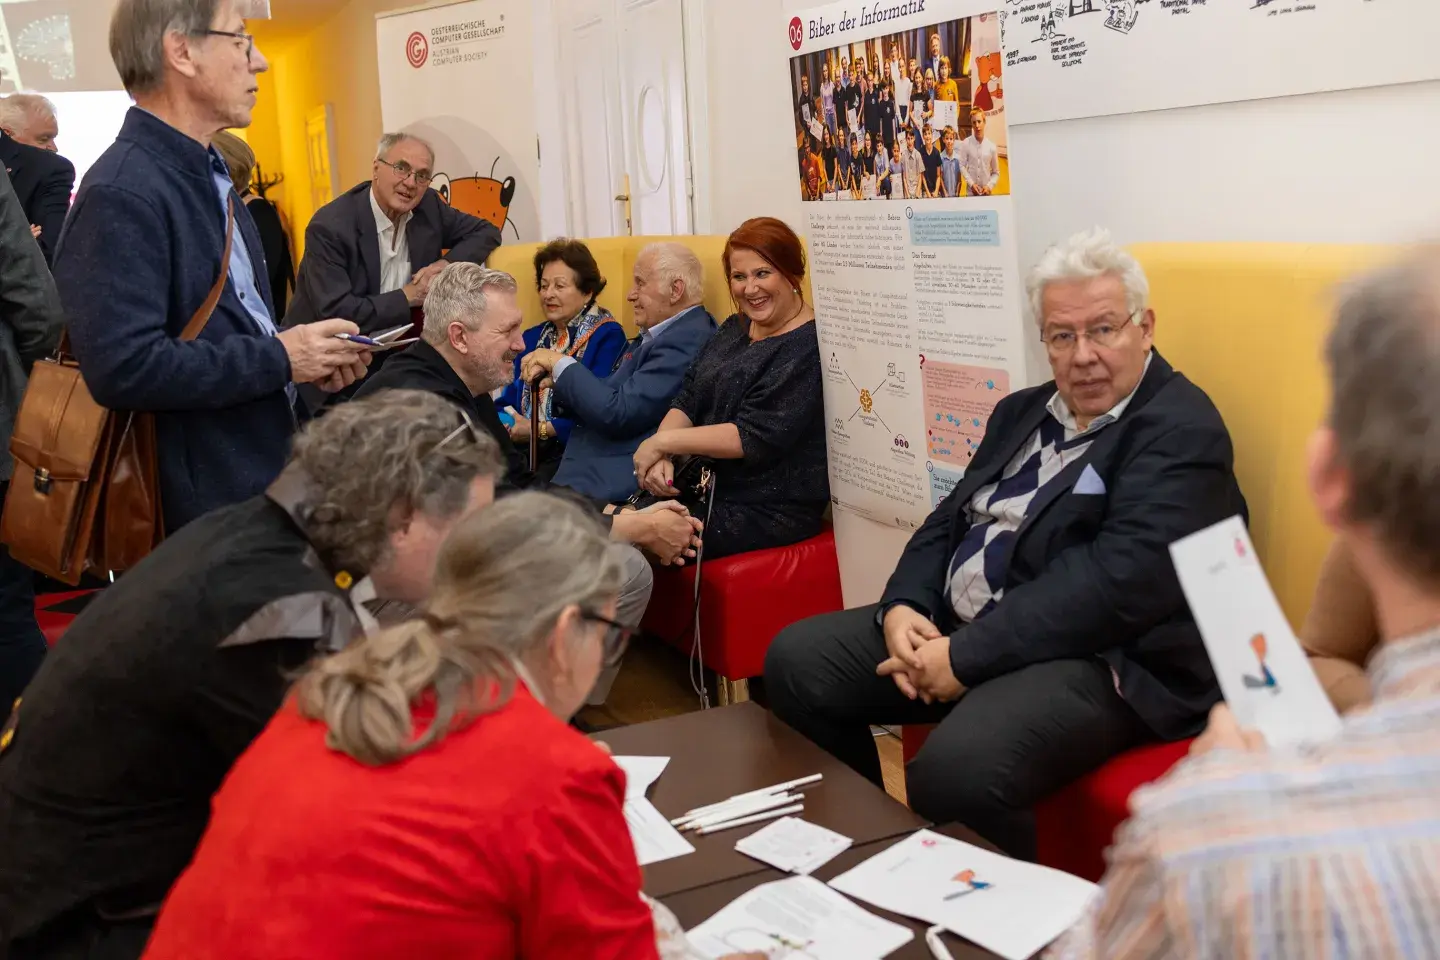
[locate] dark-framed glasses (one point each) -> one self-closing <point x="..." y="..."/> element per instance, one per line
<point x="405" y="172"/>
<point x="1106" y="333"/>
<point x="617" y="638"/>
<point x="233" y="35"/>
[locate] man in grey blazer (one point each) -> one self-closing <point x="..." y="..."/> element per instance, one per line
<point x="30" y="325"/>
<point x="371" y="253"/>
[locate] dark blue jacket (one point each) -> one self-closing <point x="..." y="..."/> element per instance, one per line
<point x="1088" y="573"/>
<point x="613" y="416"/>
<point x="139" y="253"/>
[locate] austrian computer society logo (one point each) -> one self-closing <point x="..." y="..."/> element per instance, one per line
<point x="417" y="49"/>
<point x="797" y="33"/>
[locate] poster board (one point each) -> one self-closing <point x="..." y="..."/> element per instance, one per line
<point x="435" y="64"/>
<point x="1067" y="59"/>
<point x="917" y="291"/>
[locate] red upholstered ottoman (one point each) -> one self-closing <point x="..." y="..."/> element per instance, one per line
<point x="1074" y="826"/>
<point x="746" y="599"/>
<point x="55" y="611"/>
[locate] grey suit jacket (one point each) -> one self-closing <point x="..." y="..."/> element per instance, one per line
<point x="340" y="273"/>
<point x="30" y="317"/>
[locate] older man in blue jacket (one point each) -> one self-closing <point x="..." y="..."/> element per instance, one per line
<point x="615" y="414"/>
<point x="143" y="247"/>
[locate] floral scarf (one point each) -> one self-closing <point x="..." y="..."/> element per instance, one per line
<point x="571" y="341"/>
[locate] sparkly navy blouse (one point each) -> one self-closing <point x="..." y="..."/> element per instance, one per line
<point x="771" y="390"/>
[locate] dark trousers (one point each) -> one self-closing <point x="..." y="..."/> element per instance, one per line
<point x="22" y="645"/>
<point x="82" y="935"/>
<point x="998" y="750"/>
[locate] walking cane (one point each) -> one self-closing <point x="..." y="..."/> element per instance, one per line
<point x="535" y="422"/>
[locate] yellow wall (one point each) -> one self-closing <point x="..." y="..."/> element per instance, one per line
<point x="332" y="62"/>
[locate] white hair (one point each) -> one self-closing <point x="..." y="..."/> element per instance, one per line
<point x="1091" y="253"/>
<point x="18" y="109"/>
<point x="458" y="294"/>
<point x="389" y="141"/>
<point x="674" y="261"/>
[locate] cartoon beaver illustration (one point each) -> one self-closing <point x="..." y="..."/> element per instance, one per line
<point x="483" y="197"/>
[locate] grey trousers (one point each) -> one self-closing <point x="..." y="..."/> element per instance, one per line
<point x="635" y="588"/>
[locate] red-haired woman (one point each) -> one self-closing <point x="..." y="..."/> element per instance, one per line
<point x="752" y="403"/>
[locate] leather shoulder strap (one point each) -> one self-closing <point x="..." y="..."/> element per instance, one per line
<point x="202" y="315"/>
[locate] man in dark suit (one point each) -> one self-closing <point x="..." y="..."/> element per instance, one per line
<point x="30" y="324"/>
<point x="43" y="180"/>
<point x="615" y="414"/>
<point x="1036" y="616"/>
<point x="371" y="253"/>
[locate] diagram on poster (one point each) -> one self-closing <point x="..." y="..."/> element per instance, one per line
<point x="1066" y="59"/>
<point x="958" y="401"/>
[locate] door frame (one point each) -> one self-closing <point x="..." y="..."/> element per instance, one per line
<point x="695" y="31"/>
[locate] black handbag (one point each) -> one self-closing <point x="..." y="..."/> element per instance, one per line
<point x="694" y="478"/>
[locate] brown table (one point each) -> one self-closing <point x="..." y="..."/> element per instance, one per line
<point x="694" y="907"/>
<point x="717" y="753"/>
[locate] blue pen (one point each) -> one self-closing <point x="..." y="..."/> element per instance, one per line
<point x="356" y="338"/>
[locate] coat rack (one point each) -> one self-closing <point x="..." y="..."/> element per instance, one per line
<point x="261" y="183"/>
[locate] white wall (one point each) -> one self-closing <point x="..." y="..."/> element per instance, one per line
<point x="1349" y="167"/>
<point x="553" y="212"/>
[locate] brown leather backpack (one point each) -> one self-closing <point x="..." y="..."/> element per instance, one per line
<point x="85" y="494"/>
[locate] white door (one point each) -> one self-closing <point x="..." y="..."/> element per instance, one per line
<point x="657" y="155"/>
<point x="590" y="110"/>
<point x="625" y="118"/>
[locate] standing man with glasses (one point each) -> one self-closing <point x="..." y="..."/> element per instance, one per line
<point x="144" y="246"/>
<point x="371" y="253"/>
<point x="1036" y="616"/>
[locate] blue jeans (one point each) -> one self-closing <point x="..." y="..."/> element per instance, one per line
<point x="22" y="645"/>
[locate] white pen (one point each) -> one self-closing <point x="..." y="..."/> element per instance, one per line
<point x="936" y="945"/>
<point x="719" y="805"/>
<point x="743" y="810"/>
<point x="745" y="821"/>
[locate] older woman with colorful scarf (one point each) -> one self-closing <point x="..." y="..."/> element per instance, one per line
<point x="575" y="325"/>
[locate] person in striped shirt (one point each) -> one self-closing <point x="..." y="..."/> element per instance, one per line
<point x="1331" y="849"/>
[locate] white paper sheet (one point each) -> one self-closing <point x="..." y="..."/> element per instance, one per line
<point x="1263" y="672"/>
<point x="794" y="845"/>
<point x="654" y="838"/>
<point x="798" y="917"/>
<point x="640" y="772"/>
<point x="1006" y="906"/>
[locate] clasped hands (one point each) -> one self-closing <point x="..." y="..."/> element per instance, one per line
<point x="919" y="660"/>
<point x="654" y="469"/>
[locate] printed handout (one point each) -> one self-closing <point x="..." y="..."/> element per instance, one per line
<point x="1006" y="906"/>
<point x="1263" y="672"/>
<point x="799" y="917"/>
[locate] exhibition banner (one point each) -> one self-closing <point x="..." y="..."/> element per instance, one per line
<point x="904" y="167"/>
<point x="460" y="76"/>
<point x="1066" y="59"/>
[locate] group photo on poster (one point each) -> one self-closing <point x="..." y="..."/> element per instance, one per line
<point x="916" y="114"/>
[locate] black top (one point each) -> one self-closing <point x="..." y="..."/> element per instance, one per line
<point x="278" y="263"/>
<point x="1166" y="470"/>
<point x="771" y="390"/>
<point x="132" y="722"/>
<point x="421" y="367"/>
<point x="932" y="167"/>
<point x="43" y="181"/>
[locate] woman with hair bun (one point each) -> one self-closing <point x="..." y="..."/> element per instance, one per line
<point x="422" y="795"/>
<point x="752" y="403"/>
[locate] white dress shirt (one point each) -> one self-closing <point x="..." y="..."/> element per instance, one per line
<point x="394" y="248"/>
<point x="980" y="162"/>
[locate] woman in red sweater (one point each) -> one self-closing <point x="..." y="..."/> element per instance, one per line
<point x="422" y="795"/>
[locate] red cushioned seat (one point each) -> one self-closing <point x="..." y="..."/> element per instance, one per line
<point x="53" y="622"/>
<point x="1073" y="827"/>
<point x="746" y="599"/>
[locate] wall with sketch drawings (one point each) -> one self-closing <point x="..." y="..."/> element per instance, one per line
<point x="1066" y="59"/>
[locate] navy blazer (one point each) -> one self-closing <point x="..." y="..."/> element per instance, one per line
<point x="340" y="273"/>
<point x="614" y="415"/>
<point x="1090" y="575"/>
<point x="138" y="255"/>
<point x="43" y="182"/>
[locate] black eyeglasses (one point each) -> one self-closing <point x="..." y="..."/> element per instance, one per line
<point x="404" y="171"/>
<point x="617" y="638"/>
<point x="249" y="40"/>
